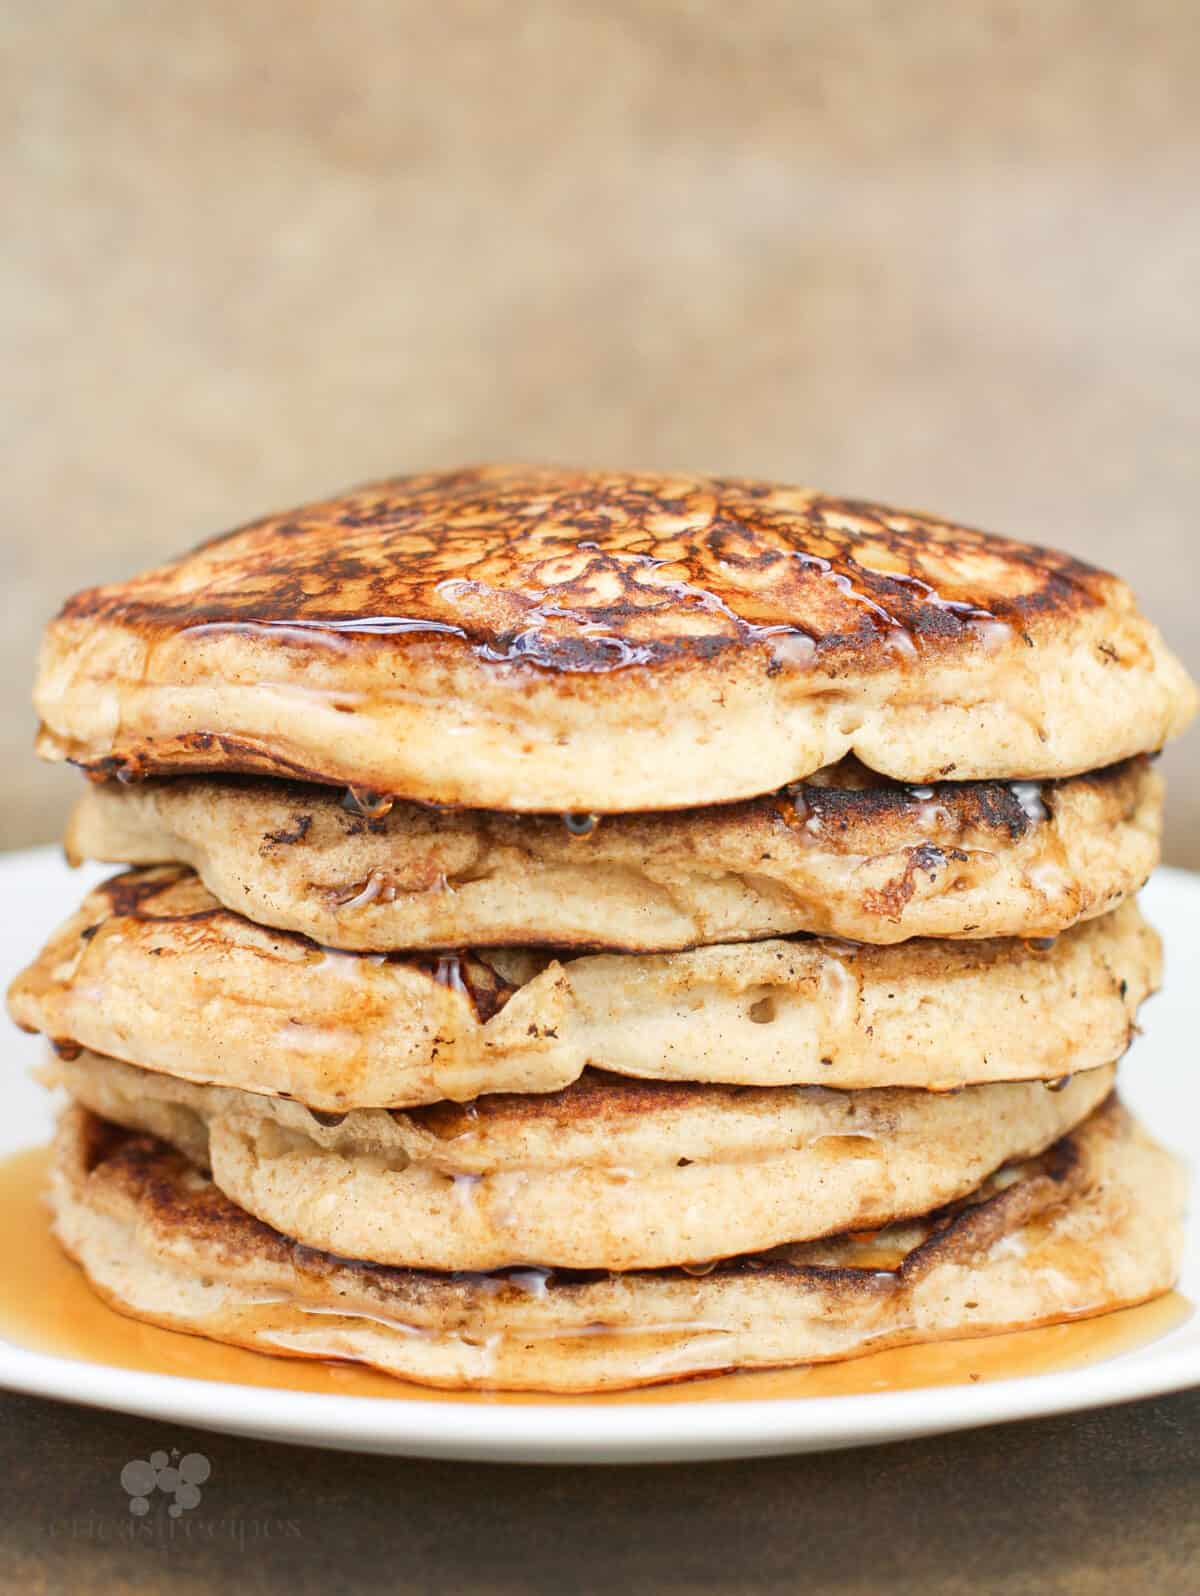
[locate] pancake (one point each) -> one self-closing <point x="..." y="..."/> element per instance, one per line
<point x="606" y="1174"/>
<point x="1092" y="1225"/>
<point x="151" y="970"/>
<point x="540" y="639"/>
<point x="846" y="853"/>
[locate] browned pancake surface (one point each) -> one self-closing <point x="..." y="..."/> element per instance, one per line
<point x="580" y="571"/>
<point x="538" y="639"/>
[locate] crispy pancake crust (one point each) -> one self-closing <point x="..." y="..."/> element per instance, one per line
<point x="846" y="853"/>
<point x="608" y="1173"/>
<point x="153" y="971"/>
<point x="1092" y="1225"/>
<point x="517" y="637"/>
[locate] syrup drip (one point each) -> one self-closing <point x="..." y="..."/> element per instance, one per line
<point x="485" y="990"/>
<point x="894" y="630"/>
<point x="447" y="1121"/>
<point x="957" y="607"/>
<point x="378" y="887"/>
<point x="47" y="1306"/>
<point x="1029" y="795"/>
<point x="448" y="972"/>
<point x="600" y="652"/>
<point x="581" y="825"/>
<point x="337" y="626"/>
<point x="370" y="805"/>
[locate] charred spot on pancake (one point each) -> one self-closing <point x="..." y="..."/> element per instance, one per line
<point x="891" y="900"/>
<point x="299" y="828"/>
<point x="131" y="893"/>
<point x="181" y="1202"/>
<point x="165" y="893"/>
<point x="848" y="796"/>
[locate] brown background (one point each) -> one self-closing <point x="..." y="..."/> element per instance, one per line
<point x="1099" y="1504"/>
<point x="942" y="255"/>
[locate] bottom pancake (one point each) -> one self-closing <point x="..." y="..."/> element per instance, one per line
<point x="1091" y="1225"/>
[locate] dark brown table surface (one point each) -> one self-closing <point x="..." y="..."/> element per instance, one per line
<point x="1098" y="1502"/>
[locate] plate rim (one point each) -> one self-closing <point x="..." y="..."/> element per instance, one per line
<point x="551" y="1433"/>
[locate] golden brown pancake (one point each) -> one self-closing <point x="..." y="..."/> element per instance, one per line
<point x="1092" y="1225"/>
<point x="529" y="638"/>
<point x="153" y="971"/>
<point x="608" y="1173"/>
<point x="846" y="853"/>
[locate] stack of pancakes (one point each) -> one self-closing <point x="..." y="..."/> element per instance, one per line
<point x="588" y="930"/>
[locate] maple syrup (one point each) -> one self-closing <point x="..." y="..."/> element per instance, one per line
<point x="47" y="1305"/>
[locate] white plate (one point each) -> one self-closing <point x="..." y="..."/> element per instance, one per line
<point x="1160" y="1082"/>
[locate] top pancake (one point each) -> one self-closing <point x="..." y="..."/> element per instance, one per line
<point x="539" y="639"/>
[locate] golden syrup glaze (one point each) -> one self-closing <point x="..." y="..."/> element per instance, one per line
<point x="46" y="1305"/>
<point x="585" y="572"/>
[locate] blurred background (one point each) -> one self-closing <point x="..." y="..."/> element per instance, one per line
<point x="256" y="250"/>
